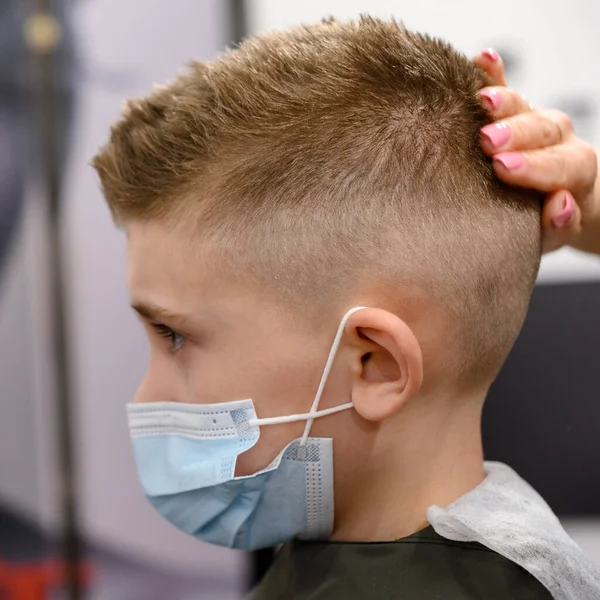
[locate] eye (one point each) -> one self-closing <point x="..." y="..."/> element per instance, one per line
<point x="176" y="339"/>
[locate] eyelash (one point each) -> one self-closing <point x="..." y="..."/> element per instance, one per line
<point x="176" y="340"/>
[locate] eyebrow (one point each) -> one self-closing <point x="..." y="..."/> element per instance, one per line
<point x="157" y="313"/>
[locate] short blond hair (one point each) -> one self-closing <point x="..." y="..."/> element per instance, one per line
<point x="326" y="156"/>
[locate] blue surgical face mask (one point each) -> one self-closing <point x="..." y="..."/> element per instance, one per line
<point x="186" y="455"/>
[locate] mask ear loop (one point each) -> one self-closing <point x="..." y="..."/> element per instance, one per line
<point x="327" y="370"/>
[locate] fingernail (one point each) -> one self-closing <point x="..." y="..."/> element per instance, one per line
<point x="491" y="54"/>
<point x="497" y="133"/>
<point x="492" y="99"/>
<point x="510" y="160"/>
<point x="566" y="214"/>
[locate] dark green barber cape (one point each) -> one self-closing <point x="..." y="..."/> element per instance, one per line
<point x="423" y="566"/>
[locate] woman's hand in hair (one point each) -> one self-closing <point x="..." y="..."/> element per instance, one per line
<point x="538" y="149"/>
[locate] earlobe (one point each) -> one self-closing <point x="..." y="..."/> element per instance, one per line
<point x="389" y="370"/>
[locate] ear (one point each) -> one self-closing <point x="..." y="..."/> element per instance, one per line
<point x="389" y="367"/>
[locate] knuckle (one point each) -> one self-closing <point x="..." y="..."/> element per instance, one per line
<point x="565" y="122"/>
<point x="561" y="119"/>
<point x="560" y="167"/>
<point x="584" y="166"/>
<point x="548" y="132"/>
<point x="510" y="97"/>
<point x="518" y="103"/>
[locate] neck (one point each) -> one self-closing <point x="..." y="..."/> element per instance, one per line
<point x="430" y="455"/>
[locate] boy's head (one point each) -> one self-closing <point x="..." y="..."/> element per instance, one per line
<point x="266" y="193"/>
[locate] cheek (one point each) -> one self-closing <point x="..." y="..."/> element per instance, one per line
<point x="294" y="399"/>
<point x="273" y="439"/>
<point x="276" y="395"/>
<point x="280" y="382"/>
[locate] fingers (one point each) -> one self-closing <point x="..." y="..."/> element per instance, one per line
<point x="538" y="149"/>
<point x="566" y="166"/>
<point x="491" y="62"/>
<point x="526" y="131"/>
<point x="561" y="221"/>
<point x="503" y="102"/>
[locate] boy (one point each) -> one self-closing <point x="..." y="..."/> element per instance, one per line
<point x="331" y="277"/>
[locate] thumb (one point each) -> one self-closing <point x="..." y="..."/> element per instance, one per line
<point x="561" y="220"/>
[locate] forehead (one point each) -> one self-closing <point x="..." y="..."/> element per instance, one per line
<point x="167" y="268"/>
<point x="170" y="271"/>
<point x="155" y="253"/>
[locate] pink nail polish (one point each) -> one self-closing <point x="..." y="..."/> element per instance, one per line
<point x="497" y="133"/>
<point x="510" y="160"/>
<point x="491" y="54"/>
<point x="566" y="214"/>
<point x="492" y="98"/>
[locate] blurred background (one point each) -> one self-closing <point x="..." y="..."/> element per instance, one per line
<point x="543" y="414"/>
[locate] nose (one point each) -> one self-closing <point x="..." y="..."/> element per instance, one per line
<point x="158" y="385"/>
<point x="146" y="392"/>
<point x="142" y="393"/>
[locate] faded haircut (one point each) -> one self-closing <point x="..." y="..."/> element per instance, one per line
<point x="328" y="157"/>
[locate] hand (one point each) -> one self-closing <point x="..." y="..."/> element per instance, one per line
<point x="538" y="149"/>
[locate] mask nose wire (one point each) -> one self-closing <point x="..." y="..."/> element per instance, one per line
<point x="327" y="370"/>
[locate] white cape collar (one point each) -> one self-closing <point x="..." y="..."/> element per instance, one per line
<point x="505" y="514"/>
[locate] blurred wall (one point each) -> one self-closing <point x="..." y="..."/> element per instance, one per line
<point x="19" y="482"/>
<point x="26" y="431"/>
<point x="126" y="47"/>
